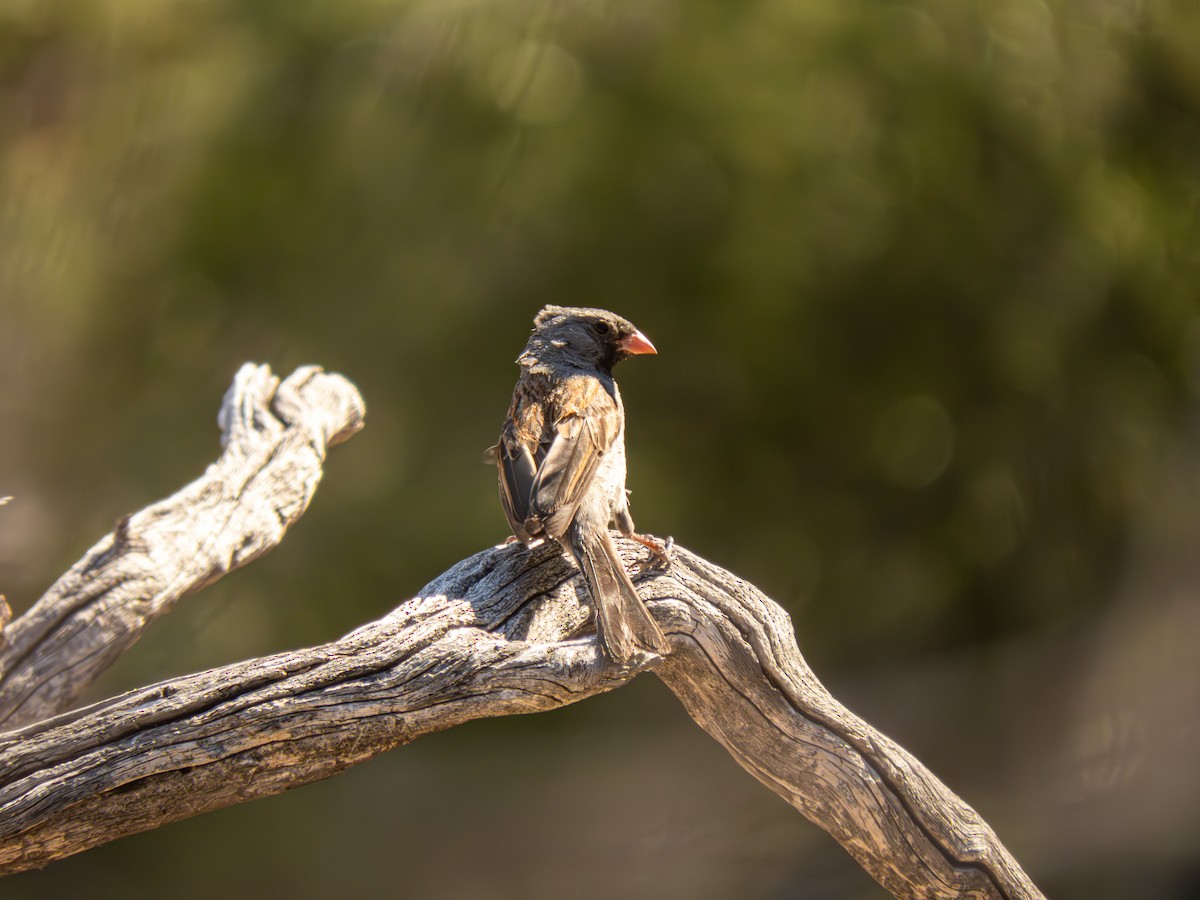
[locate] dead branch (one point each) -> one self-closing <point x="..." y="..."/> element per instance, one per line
<point x="503" y="632"/>
<point x="274" y="437"/>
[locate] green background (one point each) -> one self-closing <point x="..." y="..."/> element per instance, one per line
<point x="923" y="277"/>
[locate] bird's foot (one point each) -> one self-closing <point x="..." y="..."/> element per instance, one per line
<point x="660" y="550"/>
<point x="513" y="539"/>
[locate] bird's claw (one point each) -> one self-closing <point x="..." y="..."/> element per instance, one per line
<point x="660" y="551"/>
<point x="529" y="545"/>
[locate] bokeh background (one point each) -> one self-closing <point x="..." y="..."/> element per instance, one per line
<point x="923" y="275"/>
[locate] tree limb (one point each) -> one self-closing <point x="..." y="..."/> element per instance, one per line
<point x="503" y="632"/>
<point x="274" y="437"/>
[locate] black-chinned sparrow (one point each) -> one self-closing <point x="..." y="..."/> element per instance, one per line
<point x="561" y="461"/>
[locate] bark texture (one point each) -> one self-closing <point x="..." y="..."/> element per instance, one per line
<point x="505" y="631"/>
<point x="274" y="437"/>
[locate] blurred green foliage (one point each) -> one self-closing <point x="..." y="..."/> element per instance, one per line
<point x="923" y="276"/>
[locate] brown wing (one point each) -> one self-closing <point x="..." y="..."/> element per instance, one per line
<point x="585" y="424"/>
<point x="517" y="470"/>
<point x="522" y="443"/>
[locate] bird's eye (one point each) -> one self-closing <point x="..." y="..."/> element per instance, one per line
<point x="603" y="328"/>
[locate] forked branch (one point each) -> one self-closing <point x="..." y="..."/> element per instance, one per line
<point x="274" y="438"/>
<point x="503" y="632"/>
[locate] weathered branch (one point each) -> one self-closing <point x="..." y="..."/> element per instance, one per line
<point x="274" y="437"/>
<point x="503" y="632"/>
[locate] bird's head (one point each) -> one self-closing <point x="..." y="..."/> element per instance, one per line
<point x="582" y="337"/>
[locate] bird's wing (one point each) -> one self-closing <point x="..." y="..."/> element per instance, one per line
<point x="516" y="455"/>
<point x="517" y="470"/>
<point x="586" y="423"/>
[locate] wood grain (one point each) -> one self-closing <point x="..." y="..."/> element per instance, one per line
<point x="274" y="437"/>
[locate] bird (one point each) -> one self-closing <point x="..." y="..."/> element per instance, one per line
<point x="561" y="464"/>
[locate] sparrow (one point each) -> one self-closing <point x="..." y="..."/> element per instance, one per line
<point x="561" y="464"/>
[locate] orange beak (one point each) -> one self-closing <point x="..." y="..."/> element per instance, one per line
<point x="636" y="343"/>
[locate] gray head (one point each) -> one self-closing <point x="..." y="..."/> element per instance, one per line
<point x="582" y="337"/>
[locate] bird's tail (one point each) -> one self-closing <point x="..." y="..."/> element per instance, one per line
<point x="623" y="623"/>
